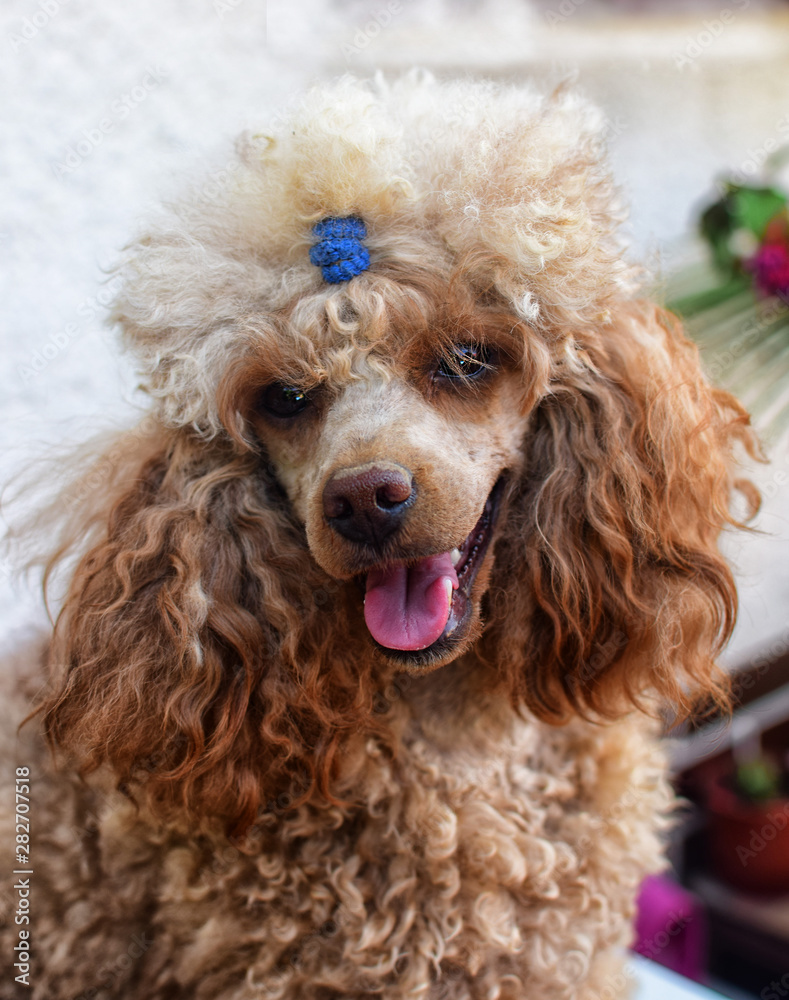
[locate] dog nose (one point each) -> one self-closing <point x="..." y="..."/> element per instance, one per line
<point x="367" y="503"/>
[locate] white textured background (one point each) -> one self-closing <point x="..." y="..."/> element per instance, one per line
<point x="172" y="81"/>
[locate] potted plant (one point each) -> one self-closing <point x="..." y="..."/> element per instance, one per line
<point x="748" y="812"/>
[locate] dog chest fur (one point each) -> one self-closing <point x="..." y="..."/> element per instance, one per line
<point x="500" y="869"/>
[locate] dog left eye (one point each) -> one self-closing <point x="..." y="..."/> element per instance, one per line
<point x="465" y="361"/>
<point x="283" y="400"/>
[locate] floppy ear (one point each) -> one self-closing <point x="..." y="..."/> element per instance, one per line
<point x="188" y="654"/>
<point x="613" y="528"/>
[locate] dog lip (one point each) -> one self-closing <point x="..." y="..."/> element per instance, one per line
<point x="472" y="556"/>
<point x="476" y="543"/>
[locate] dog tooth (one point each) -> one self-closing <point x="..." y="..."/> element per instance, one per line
<point x="448" y="587"/>
<point x="455" y="556"/>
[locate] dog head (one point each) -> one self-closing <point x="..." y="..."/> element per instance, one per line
<point x="476" y="442"/>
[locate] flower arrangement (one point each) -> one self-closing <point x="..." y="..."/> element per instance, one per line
<point x="735" y="300"/>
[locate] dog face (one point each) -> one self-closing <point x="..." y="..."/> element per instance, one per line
<point x="394" y="450"/>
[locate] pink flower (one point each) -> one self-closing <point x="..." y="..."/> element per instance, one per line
<point x="770" y="265"/>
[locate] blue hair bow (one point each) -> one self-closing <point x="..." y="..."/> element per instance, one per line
<point x="339" y="251"/>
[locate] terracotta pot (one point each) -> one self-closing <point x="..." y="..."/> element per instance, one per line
<point x="749" y="843"/>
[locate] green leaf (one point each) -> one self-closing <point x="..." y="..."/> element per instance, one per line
<point x="753" y="208"/>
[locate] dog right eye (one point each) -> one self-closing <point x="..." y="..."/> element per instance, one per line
<point x="464" y="362"/>
<point x="283" y="400"/>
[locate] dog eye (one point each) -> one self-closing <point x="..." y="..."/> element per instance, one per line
<point x="283" y="400"/>
<point x="465" y="361"/>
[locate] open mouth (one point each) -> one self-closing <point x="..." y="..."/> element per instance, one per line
<point x="416" y="612"/>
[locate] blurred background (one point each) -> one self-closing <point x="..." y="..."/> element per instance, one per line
<point x="107" y="107"/>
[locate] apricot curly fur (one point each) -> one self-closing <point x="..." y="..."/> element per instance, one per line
<point x="243" y="785"/>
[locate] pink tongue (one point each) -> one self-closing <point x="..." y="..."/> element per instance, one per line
<point x="407" y="607"/>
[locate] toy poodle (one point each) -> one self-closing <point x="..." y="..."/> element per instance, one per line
<point x="356" y="683"/>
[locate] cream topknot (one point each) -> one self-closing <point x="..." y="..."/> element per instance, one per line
<point x="508" y="186"/>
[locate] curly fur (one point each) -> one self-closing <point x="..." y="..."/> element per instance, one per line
<point x="281" y="808"/>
